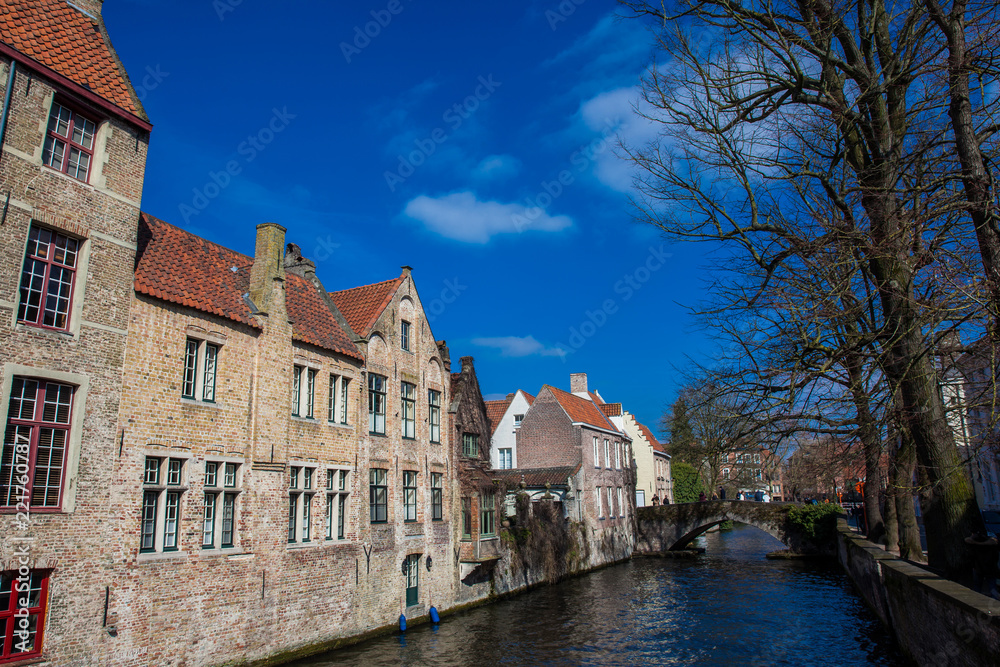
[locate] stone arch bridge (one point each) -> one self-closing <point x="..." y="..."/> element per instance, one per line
<point x="671" y="527"/>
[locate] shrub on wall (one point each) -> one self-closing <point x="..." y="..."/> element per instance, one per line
<point x="818" y="523"/>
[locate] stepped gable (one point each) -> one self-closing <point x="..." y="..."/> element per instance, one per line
<point x="581" y="409"/>
<point x="646" y="433"/>
<point x="70" y="42"/>
<point x="361" y="306"/>
<point x="176" y="266"/>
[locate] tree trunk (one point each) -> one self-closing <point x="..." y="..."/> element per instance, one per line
<point x="872" y="445"/>
<point x="891" y="524"/>
<point x="903" y="491"/>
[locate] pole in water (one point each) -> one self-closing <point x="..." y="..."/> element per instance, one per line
<point x="435" y="617"/>
<point x="402" y="623"/>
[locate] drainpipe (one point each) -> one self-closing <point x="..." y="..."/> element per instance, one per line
<point x="6" y="102"/>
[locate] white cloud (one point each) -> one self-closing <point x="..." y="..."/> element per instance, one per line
<point x="614" y="111"/>
<point x="462" y="216"/>
<point x="496" y="167"/>
<point x="519" y="346"/>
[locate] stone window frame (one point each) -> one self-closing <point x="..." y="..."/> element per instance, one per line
<point x="600" y="502"/>
<point x="487" y="514"/>
<point x="404" y="335"/>
<point x="374" y="403"/>
<point x="409" y="487"/>
<point x="300" y="503"/>
<point x="71" y="474"/>
<point x="408" y="410"/>
<point x="373" y="491"/>
<point x="337" y="399"/>
<point x="338" y="497"/>
<point x="76" y="113"/>
<point x="162" y="488"/>
<point x="437" y="496"/>
<point x="220" y="490"/>
<point x="597" y="452"/>
<point x="434" y="416"/>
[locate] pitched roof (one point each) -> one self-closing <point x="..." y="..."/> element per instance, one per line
<point x="528" y="397"/>
<point x="495" y="411"/>
<point x="535" y="477"/>
<point x="176" y="266"/>
<point x="611" y="409"/>
<point x="580" y="409"/>
<point x="64" y="39"/>
<point x="361" y="306"/>
<point x="646" y="433"/>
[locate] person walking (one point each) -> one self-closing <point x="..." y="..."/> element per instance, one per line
<point x="722" y="493"/>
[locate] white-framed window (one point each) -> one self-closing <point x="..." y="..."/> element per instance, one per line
<point x="338" y="491"/>
<point x="621" y="504"/>
<point x="506" y="458"/>
<point x="618" y="455"/>
<point x="600" y="502"/>
<point x="404" y="335"/>
<point x="437" y="497"/>
<point x="222" y="489"/>
<point x="607" y="453"/>
<point x="303" y="391"/>
<point x="611" y="503"/>
<point x="201" y="360"/>
<point x="725" y="473"/>
<point x="597" y="452"/>
<point x="301" y="489"/>
<point x="376" y="404"/>
<point x="517" y="420"/>
<point x="337" y="399"/>
<point x="434" y="415"/>
<point x="409" y="495"/>
<point x="163" y="487"/>
<point x="408" y="397"/>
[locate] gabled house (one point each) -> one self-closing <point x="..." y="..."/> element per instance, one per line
<point x="565" y="430"/>
<point x="405" y="450"/>
<point x="505" y="417"/>
<point x="478" y="510"/>
<point x="238" y="457"/>
<point x="73" y="146"/>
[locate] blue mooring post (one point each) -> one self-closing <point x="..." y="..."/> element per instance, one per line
<point x="402" y="623"/>
<point x="435" y="618"/>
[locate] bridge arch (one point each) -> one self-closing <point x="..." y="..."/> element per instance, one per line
<point x="672" y="527"/>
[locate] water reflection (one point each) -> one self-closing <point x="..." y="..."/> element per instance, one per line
<point x="728" y="607"/>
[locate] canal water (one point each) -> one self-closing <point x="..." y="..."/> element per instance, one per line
<point x="729" y="606"/>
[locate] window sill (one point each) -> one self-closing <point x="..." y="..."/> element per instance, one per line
<point x="307" y="420"/>
<point x="302" y="545"/>
<point x="338" y="424"/>
<point x="195" y="403"/>
<point x="215" y="552"/>
<point x="33" y="660"/>
<point x="55" y="334"/>
<point x="155" y="556"/>
<point x="489" y="538"/>
<point x="380" y="435"/>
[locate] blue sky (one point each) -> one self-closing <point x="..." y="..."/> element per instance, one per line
<point x="475" y="142"/>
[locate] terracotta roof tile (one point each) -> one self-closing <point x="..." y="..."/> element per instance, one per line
<point x="528" y="397"/>
<point x="581" y="409"/>
<point x="177" y="266"/>
<point x="361" y="306"/>
<point x="536" y="477"/>
<point x="66" y="40"/>
<point x="611" y="409"/>
<point x="495" y="410"/>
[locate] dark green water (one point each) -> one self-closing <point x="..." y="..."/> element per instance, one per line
<point x="730" y="606"/>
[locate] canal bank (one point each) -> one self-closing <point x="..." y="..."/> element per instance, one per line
<point x="729" y="606"/>
<point x="933" y="620"/>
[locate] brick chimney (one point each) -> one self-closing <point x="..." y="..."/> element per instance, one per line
<point x="268" y="264"/>
<point x="578" y="383"/>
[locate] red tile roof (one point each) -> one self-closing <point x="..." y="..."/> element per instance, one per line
<point x="67" y="41"/>
<point x="536" y="477"/>
<point x="495" y="411"/>
<point x="580" y="409"/>
<point x="528" y="397"/>
<point x="646" y="433"/>
<point x="361" y="306"/>
<point x="595" y="398"/>
<point x="611" y="409"/>
<point x="177" y="266"/>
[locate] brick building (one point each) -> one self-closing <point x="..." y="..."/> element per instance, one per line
<point x="73" y="154"/>
<point x="569" y="430"/>
<point x="478" y="512"/>
<point x="403" y="451"/>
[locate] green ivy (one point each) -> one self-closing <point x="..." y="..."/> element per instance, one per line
<point x="818" y="523"/>
<point x="687" y="483"/>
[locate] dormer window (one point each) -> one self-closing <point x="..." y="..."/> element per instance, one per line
<point x="69" y="143"/>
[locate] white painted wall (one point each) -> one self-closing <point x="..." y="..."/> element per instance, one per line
<point x="505" y="435"/>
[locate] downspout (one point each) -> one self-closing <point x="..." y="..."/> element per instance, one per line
<point x="6" y="102"/>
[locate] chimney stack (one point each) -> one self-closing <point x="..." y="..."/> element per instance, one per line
<point x="578" y="383"/>
<point x="268" y="264"/>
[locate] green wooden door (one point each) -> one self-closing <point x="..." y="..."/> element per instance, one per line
<point x="412" y="580"/>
